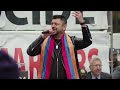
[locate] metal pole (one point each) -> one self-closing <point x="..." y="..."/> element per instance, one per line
<point x="111" y="38"/>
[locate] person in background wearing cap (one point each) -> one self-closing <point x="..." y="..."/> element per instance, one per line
<point x="115" y="59"/>
<point x="8" y="67"/>
<point x="116" y="65"/>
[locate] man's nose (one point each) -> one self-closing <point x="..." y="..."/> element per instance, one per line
<point x="53" y="25"/>
<point x="98" y="66"/>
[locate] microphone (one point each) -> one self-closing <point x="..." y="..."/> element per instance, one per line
<point x="45" y="32"/>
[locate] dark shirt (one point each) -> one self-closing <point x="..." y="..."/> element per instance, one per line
<point x="57" y="67"/>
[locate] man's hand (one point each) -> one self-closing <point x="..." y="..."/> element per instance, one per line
<point x="79" y="16"/>
<point x="51" y="32"/>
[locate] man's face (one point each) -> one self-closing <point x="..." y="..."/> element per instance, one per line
<point x="58" y="26"/>
<point x="96" y="68"/>
<point x="114" y="58"/>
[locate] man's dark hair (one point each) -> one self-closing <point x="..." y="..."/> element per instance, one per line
<point x="60" y="17"/>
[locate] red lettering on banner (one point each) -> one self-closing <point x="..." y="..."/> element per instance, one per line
<point x="33" y="65"/>
<point x="5" y="50"/>
<point x="82" y="53"/>
<point x="18" y="55"/>
<point x="93" y="51"/>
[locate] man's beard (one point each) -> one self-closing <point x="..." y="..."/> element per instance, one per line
<point x="55" y="34"/>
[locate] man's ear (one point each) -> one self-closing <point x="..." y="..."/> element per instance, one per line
<point x="65" y="26"/>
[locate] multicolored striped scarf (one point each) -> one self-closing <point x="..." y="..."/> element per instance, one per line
<point x="68" y="58"/>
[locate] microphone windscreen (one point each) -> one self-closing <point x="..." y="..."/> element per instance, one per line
<point x="45" y="32"/>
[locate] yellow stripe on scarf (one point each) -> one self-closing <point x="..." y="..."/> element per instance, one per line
<point x="41" y="58"/>
<point x="71" y="47"/>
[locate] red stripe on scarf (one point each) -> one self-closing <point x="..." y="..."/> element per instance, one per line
<point x="65" y="59"/>
<point x="48" y="66"/>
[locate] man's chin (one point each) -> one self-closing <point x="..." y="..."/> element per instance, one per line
<point x="98" y="73"/>
<point x="55" y="34"/>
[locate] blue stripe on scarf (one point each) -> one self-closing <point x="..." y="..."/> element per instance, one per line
<point x="69" y="58"/>
<point x="45" y="58"/>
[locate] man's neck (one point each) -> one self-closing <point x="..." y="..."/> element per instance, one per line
<point x="59" y="36"/>
<point x="93" y="75"/>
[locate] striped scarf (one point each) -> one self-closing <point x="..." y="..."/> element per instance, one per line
<point x="68" y="58"/>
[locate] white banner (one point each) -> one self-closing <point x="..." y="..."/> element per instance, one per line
<point x="39" y="20"/>
<point x="16" y="44"/>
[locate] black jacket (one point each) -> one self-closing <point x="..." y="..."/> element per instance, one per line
<point x="35" y="48"/>
<point x="103" y="75"/>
